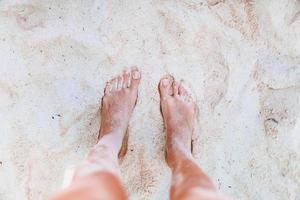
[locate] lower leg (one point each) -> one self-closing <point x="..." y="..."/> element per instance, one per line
<point x="188" y="180"/>
<point x="98" y="177"/>
<point x="102" y="157"/>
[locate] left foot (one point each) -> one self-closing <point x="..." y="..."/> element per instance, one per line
<point x="118" y="103"/>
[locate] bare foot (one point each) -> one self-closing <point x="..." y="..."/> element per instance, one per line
<point x="179" y="113"/>
<point x="118" y="103"/>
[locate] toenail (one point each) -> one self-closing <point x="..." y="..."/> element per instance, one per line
<point x="136" y="75"/>
<point x="165" y="82"/>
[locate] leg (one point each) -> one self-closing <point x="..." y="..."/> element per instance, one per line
<point x="179" y="110"/>
<point x="99" y="175"/>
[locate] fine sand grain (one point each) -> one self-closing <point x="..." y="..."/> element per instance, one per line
<point x="240" y="58"/>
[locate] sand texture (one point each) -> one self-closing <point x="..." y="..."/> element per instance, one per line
<point x="241" y="59"/>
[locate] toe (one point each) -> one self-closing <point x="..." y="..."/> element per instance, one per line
<point x="187" y="98"/>
<point x="126" y="79"/>
<point x="175" y="88"/>
<point x="108" y="88"/>
<point x="165" y="86"/>
<point x="135" y="78"/>
<point x="120" y="83"/>
<point x="114" y="84"/>
<point x="182" y="91"/>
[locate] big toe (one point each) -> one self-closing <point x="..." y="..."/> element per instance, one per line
<point x="135" y="78"/>
<point x="165" y="86"/>
<point x="108" y="88"/>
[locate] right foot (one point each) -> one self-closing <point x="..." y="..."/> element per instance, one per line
<point x="117" y="105"/>
<point x="179" y="112"/>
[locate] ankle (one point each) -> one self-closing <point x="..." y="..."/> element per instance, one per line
<point x="178" y="130"/>
<point x="179" y="139"/>
<point x="176" y="156"/>
<point x="112" y="131"/>
<point x="178" y="143"/>
<point x="117" y="133"/>
<point x="111" y="141"/>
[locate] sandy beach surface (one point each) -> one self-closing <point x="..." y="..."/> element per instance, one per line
<point x="240" y="58"/>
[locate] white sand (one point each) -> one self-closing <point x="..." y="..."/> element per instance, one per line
<point x="242" y="60"/>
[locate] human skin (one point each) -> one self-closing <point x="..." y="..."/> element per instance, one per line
<point x="98" y="177"/>
<point x="179" y="111"/>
